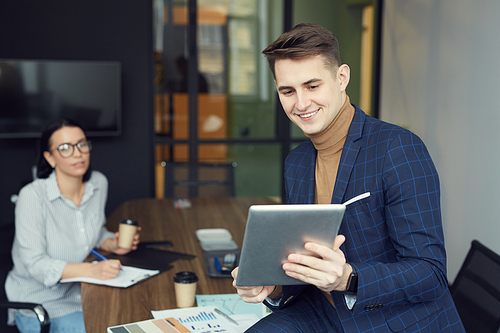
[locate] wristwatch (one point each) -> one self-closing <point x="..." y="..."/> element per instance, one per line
<point x="352" y="283"/>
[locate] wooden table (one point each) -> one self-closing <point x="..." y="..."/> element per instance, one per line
<point x="107" y="306"/>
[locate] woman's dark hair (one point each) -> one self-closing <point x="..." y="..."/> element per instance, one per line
<point x="44" y="169"/>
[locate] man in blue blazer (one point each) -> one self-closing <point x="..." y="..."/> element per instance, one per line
<point x="386" y="271"/>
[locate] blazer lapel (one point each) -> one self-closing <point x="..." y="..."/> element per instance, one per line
<point x="299" y="174"/>
<point x="312" y="175"/>
<point x="349" y="154"/>
<point x="308" y="164"/>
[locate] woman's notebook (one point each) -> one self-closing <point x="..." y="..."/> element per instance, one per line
<point x="127" y="277"/>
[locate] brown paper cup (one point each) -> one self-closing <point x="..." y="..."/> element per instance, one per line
<point x="185" y="289"/>
<point x="127" y="230"/>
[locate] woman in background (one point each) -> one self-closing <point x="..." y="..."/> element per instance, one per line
<point x="59" y="219"/>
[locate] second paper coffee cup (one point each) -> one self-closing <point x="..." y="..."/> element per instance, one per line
<point x="185" y="288"/>
<point x="127" y="229"/>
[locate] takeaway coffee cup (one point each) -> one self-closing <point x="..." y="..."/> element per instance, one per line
<point x="185" y="288"/>
<point x="127" y="229"/>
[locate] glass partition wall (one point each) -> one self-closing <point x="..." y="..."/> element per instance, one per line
<point x="215" y="98"/>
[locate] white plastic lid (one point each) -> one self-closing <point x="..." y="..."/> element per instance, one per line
<point x="213" y="239"/>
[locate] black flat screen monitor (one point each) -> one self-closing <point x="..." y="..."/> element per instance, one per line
<point x="33" y="93"/>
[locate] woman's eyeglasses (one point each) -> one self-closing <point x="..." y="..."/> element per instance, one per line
<point x="67" y="149"/>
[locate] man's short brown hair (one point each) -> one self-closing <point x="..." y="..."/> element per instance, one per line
<point x="304" y="40"/>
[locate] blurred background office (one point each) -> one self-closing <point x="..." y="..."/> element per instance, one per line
<point x="195" y="88"/>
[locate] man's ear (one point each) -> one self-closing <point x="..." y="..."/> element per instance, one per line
<point x="343" y="75"/>
<point x="49" y="158"/>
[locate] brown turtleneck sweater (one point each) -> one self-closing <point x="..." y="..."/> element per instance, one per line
<point x="329" y="143"/>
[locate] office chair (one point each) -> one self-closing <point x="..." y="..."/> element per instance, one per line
<point x="476" y="290"/>
<point x="191" y="180"/>
<point x="6" y="239"/>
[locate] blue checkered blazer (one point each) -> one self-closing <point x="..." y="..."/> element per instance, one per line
<point x="394" y="238"/>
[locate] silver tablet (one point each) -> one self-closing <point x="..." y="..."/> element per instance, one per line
<point x="274" y="231"/>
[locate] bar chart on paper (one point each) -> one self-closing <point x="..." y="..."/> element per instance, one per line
<point x="198" y="319"/>
<point x="202" y="320"/>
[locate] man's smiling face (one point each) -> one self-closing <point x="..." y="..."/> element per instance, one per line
<point x="310" y="91"/>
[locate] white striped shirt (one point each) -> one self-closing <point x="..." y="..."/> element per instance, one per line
<point x="52" y="231"/>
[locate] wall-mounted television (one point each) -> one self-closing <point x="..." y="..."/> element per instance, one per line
<point x="33" y="93"/>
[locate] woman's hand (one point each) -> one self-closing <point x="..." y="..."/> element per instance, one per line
<point x="105" y="269"/>
<point x="111" y="244"/>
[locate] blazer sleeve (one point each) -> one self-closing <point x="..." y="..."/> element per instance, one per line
<point x="404" y="261"/>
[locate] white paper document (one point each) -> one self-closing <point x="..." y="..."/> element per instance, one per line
<point x="204" y="319"/>
<point x="127" y="277"/>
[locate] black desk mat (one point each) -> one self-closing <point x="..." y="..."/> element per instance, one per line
<point x="149" y="258"/>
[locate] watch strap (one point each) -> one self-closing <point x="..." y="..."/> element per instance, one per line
<point x="352" y="282"/>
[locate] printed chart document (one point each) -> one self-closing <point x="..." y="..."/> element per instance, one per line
<point x="127" y="277"/>
<point x="204" y="319"/>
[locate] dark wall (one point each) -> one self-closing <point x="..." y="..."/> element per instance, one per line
<point x="109" y="30"/>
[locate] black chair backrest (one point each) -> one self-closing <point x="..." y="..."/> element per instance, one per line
<point x="476" y="290"/>
<point x="6" y="239"/>
<point x="190" y="180"/>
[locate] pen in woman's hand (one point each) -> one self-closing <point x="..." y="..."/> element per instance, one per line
<point x="100" y="256"/>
